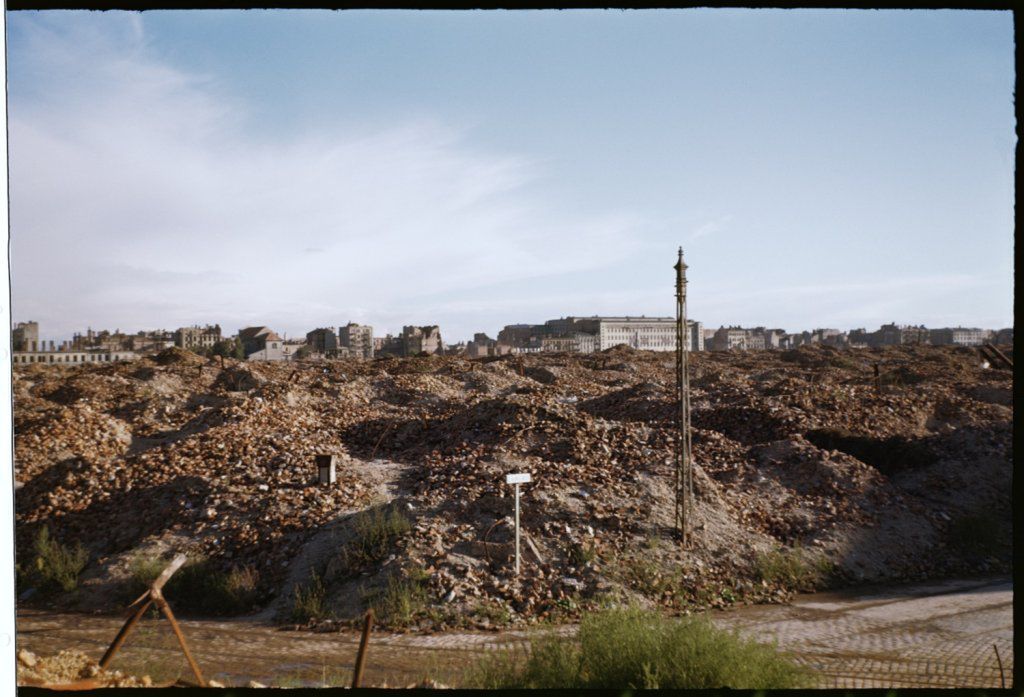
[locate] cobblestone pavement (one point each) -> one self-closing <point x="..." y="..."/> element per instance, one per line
<point x="929" y="635"/>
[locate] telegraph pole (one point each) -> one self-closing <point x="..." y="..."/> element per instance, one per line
<point x="684" y="466"/>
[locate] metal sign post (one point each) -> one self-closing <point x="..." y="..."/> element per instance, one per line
<point x="517" y="479"/>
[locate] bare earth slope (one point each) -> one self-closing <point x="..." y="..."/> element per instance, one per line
<point x="794" y="449"/>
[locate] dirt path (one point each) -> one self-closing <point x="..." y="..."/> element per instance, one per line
<point x="936" y="635"/>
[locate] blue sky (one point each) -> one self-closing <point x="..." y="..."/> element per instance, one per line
<point x="474" y="169"/>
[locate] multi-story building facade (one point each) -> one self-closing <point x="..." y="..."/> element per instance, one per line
<point x="894" y="335"/>
<point x="589" y="334"/>
<point x="644" y="333"/>
<point x="519" y="335"/>
<point x="776" y="339"/>
<point x="357" y="339"/>
<point x="322" y="341"/>
<point x="71" y="357"/>
<point x="25" y="336"/>
<point x="960" y="336"/>
<point x="152" y="341"/>
<point x="196" y="337"/>
<point x="417" y="340"/>
<point x="483" y="345"/>
<point x="729" y="338"/>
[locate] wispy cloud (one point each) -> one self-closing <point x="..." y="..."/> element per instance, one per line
<point x="710" y="227"/>
<point x="121" y="162"/>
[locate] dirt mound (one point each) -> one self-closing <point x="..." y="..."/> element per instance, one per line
<point x="646" y="402"/>
<point x="790" y="448"/>
<point x="239" y="378"/>
<point x="178" y="356"/>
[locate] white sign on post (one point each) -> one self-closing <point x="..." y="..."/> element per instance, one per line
<point x="517" y="479"/>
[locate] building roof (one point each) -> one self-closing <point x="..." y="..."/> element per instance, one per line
<point x="253" y="332"/>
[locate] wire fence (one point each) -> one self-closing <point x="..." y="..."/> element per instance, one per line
<point x="962" y="665"/>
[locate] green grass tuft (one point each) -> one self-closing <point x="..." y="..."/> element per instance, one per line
<point x="57" y="566"/>
<point x="374" y="535"/>
<point x="401" y="601"/>
<point x="792" y="569"/>
<point x="310" y="601"/>
<point x="638" y="649"/>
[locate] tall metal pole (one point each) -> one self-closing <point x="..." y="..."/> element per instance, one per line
<point x="683" y="473"/>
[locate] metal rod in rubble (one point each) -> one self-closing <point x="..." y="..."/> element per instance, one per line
<point x="683" y="468"/>
<point x="158" y="598"/>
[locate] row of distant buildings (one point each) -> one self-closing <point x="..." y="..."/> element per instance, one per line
<point x="566" y="334"/>
<point x="256" y="343"/>
<point x="586" y="335"/>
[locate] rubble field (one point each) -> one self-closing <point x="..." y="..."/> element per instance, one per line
<point x="800" y="457"/>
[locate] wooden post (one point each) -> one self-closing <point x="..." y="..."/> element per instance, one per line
<point x="364" y="641"/>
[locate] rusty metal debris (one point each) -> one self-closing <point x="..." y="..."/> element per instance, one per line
<point x="994" y="356"/>
<point x="364" y="642"/>
<point x="154" y="596"/>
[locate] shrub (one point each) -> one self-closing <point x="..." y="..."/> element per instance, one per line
<point x="310" y="600"/>
<point x="198" y="586"/>
<point x="792" y="569"/>
<point x="636" y="649"/>
<point x="57" y="566"/>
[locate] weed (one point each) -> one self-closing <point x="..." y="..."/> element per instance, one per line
<point x="792" y="569"/>
<point x="310" y="601"/>
<point x="374" y="534"/>
<point x="325" y="676"/>
<point x="495" y="614"/>
<point x="647" y="577"/>
<point x="57" y="566"/>
<point x="580" y="554"/>
<point x="198" y="586"/>
<point x="400" y="601"/>
<point x="636" y="649"/>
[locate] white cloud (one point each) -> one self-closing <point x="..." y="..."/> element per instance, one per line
<point x="710" y="227"/>
<point x="138" y="200"/>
